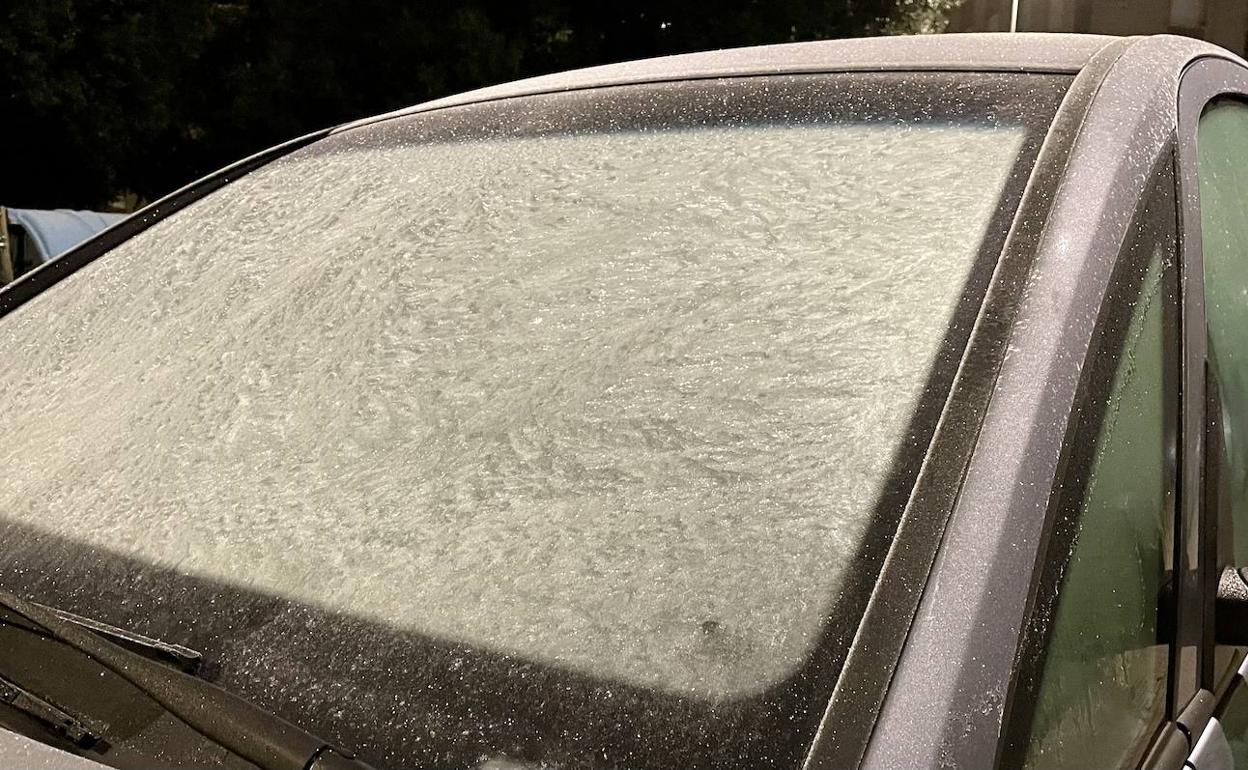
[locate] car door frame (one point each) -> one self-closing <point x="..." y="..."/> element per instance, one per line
<point x="949" y="700"/>
<point x="1204" y="80"/>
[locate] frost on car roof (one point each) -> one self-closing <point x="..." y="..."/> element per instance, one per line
<point x="1019" y="52"/>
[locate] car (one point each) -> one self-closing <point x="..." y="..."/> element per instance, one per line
<point x="873" y="403"/>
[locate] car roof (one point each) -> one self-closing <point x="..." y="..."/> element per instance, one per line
<point x="987" y="52"/>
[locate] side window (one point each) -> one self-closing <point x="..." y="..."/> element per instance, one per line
<point x="1093" y="672"/>
<point x="1222" y="154"/>
<point x="1222" y="146"/>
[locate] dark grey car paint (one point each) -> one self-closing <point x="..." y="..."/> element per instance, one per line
<point x="946" y="701"/>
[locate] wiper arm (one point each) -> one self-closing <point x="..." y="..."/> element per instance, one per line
<point x="184" y="658"/>
<point x="261" y="738"/>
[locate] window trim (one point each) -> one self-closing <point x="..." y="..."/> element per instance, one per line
<point x="1204" y="80"/>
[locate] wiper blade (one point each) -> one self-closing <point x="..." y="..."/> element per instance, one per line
<point x="73" y="728"/>
<point x="245" y="729"/>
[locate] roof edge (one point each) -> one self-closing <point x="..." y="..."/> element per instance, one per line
<point x="990" y="51"/>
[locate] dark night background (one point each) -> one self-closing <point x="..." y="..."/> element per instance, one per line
<point x="124" y="100"/>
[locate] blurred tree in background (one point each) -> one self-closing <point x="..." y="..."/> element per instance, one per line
<point x="108" y="98"/>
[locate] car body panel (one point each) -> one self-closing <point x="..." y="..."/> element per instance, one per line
<point x="948" y="701"/>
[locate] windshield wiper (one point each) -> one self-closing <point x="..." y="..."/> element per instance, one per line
<point x="73" y="728"/>
<point x="243" y="728"/>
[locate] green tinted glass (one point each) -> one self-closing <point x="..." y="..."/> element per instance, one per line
<point x="1101" y="681"/>
<point x="1222" y="144"/>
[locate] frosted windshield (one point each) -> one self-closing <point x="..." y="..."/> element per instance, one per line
<point x="618" y="402"/>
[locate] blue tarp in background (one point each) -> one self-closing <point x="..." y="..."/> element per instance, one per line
<point x="54" y="232"/>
